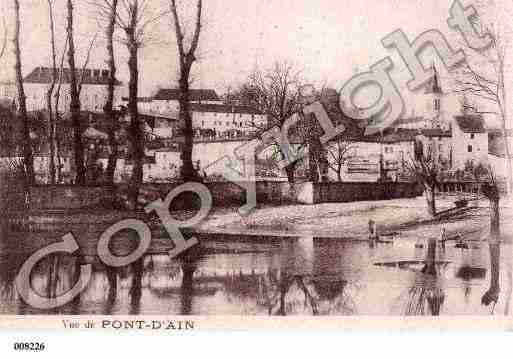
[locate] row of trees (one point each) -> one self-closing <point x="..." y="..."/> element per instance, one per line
<point x="132" y="18"/>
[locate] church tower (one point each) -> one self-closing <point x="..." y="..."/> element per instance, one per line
<point x="435" y="95"/>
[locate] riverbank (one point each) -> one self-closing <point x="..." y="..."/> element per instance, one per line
<point x="405" y="218"/>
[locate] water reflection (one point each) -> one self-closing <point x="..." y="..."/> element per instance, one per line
<point x="492" y="294"/>
<point x="272" y="276"/>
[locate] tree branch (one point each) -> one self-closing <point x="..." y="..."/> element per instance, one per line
<point x="86" y="62"/>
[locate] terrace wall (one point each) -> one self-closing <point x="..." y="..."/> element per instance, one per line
<point x="224" y="194"/>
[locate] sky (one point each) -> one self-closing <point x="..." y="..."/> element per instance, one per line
<point x="328" y="40"/>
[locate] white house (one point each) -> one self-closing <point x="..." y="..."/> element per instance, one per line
<point x="470" y="141"/>
<point x="41" y="165"/>
<point x="36" y="84"/>
<point x="226" y="121"/>
<point x="211" y="119"/>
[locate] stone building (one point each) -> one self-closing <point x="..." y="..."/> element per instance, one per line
<point x="93" y="95"/>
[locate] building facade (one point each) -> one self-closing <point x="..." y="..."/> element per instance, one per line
<point x="36" y="84"/>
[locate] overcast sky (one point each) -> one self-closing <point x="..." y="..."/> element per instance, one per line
<point x="330" y="40"/>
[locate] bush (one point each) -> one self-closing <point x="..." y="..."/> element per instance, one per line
<point x="13" y="189"/>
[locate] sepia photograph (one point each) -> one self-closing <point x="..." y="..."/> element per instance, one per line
<point x="223" y="164"/>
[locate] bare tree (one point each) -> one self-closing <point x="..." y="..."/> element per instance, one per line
<point x="133" y="17"/>
<point x="108" y="10"/>
<point x="4" y="37"/>
<point x="111" y="116"/>
<point x="57" y="115"/>
<point x="186" y="60"/>
<point x="75" y="101"/>
<point x="489" y="86"/>
<point x="426" y="168"/>
<point x="28" y="158"/>
<point x="51" y="120"/>
<point x="490" y="190"/>
<point x="338" y="154"/>
<point x="276" y="93"/>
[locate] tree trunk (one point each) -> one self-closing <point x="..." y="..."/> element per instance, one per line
<point x="491" y="191"/>
<point x="430" y="199"/>
<point x="75" y="102"/>
<point x="108" y="110"/>
<point x="430" y="262"/>
<point x="28" y="157"/>
<point x="49" y="94"/>
<point x="51" y="138"/>
<point x="186" y="58"/>
<point x="290" y="171"/>
<point x="494" y="218"/>
<point x="509" y="180"/>
<point x="492" y="294"/>
<point x="188" y="173"/>
<point x="135" y="132"/>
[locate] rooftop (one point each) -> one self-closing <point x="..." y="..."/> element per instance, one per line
<point x="470" y="123"/>
<point x="435" y="132"/>
<point x="194" y="95"/>
<point x="43" y="75"/>
<point x="218" y="108"/>
<point x="139" y="99"/>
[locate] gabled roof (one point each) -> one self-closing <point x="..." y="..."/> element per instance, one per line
<point x="389" y="135"/>
<point x="470" y="123"/>
<point x="194" y="95"/>
<point x="43" y="75"/>
<point x="139" y="99"/>
<point x="435" y="132"/>
<point x="218" y="108"/>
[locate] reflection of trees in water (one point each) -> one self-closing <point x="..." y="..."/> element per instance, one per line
<point x="10" y="266"/>
<point x="425" y="297"/>
<point x="189" y="264"/>
<point x="135" y="292"/>
<point x="492" y="294"/>
<point x="50" y="278"/>
<point x="308" y="280"/>
<point x="334" y="292"/>
<point x="287" y="293"/>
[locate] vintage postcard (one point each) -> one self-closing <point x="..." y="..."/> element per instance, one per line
<point x="175" y="165"/>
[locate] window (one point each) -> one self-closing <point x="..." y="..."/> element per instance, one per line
<point x="469" y="148"/>
<point x="437" y="104"/>
<point x="472" y="136"/>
